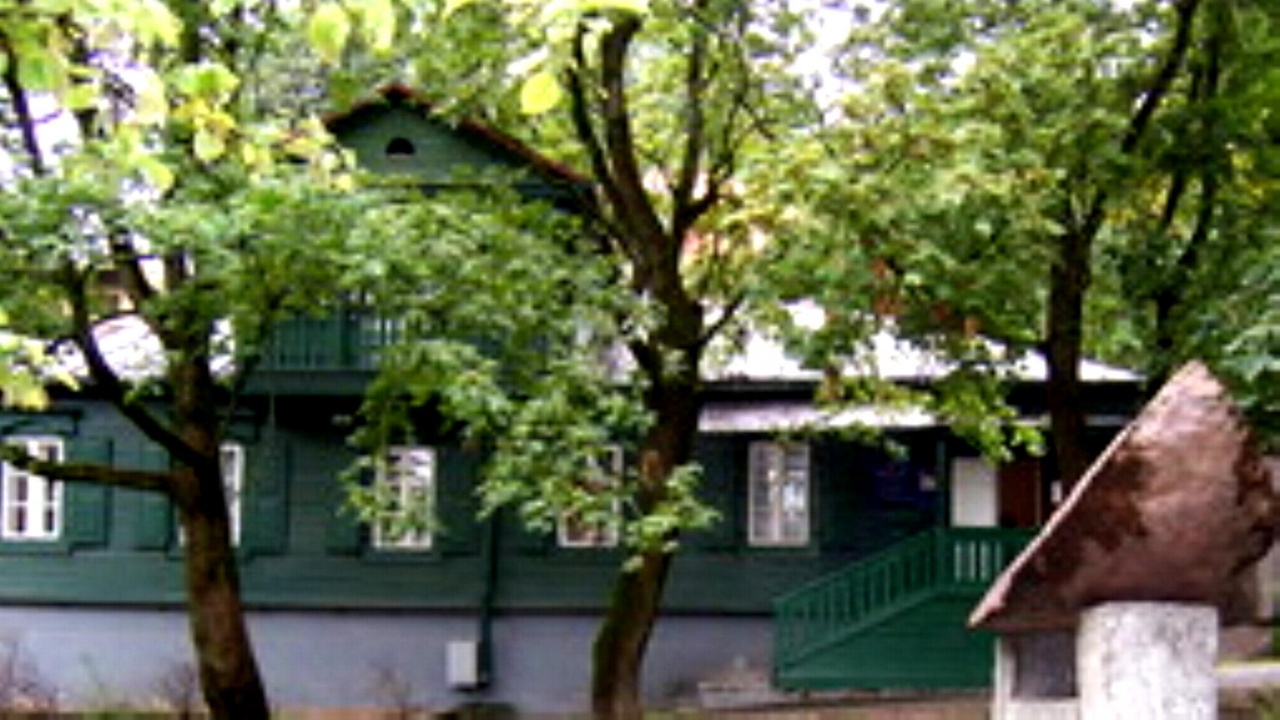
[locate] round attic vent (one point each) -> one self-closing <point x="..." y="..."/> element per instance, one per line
<point x="401" y="147"/>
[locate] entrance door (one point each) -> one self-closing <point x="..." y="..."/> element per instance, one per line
<point x="975" y="499"/>
<point x="1020" y="501"/>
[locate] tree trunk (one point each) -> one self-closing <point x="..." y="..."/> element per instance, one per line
<point x="229" y="675"/>
<point x="1069" y="280"/>
<point x="633" y="609"/>
<point x="620" y="645"/>
<point x="228" y="672"/>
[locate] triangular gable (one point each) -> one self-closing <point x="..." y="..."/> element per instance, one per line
<point x="396" y="132"/>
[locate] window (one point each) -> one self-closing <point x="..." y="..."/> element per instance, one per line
<point x="231" y="458"/>
<point x="407" y="487"/>
<point x="32" y="505"/>
<point x="779" y="494"/>
<point x="398" y="147"/>
<point x="574" y="531"/>
<point x="376" y="335"/>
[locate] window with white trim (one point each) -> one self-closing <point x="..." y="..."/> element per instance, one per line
<point x="575" y="531"/>
<point x="778" y="496"/>
<point x="231" y="460"/>
<point x="31" y="505"/>
<point x="407" y="483"/>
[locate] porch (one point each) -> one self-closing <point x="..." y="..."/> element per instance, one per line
<point x="897" y="619"/>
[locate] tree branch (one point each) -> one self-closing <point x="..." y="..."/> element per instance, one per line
<point x="109" y="383"/>
<point x="1159" y="89"/>
<point x="22" y="109"/>
<point x="691" y="166"/>
<point x="1210" y="179"/>
<point x="727" y="316"/>
<point x="126" y="257"/>
<point x="579" y="106"/>
<point x="633" y="206"/>
<point x="1151" y="101"/>
<point x="1174" y="289"/>
<point x="151" y="481"/>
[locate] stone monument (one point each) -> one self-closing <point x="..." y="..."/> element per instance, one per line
<point x="1113" y="610"/>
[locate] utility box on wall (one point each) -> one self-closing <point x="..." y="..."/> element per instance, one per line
<point x="462" y="664"/>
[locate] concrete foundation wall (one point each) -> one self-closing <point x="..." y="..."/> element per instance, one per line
<point x="97" y="657"/>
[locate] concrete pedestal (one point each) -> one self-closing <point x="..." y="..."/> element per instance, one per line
<point x="1147" y="661"/>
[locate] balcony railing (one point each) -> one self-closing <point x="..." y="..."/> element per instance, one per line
<point x="350" y="341"/>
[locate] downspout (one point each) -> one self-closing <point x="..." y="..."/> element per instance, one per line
<point x="942" y="470"/>
<point x="488" y="592"/>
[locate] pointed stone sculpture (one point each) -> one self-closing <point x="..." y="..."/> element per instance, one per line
<point x="1178" y="509"/>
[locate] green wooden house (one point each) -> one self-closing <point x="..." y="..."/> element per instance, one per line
<point x="835" y="564"/>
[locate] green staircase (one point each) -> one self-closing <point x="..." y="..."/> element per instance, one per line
<point x="897" y="619"/>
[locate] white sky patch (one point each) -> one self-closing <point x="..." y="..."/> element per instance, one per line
<point x="831" y="25"/>
<point x="55" y="131"/>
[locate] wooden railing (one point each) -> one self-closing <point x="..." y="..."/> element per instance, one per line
<point x="345" y="341"/>
<point x="936" y="560"/>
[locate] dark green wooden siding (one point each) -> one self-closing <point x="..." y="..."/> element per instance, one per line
<point x="145" y="520"/>
<point x="265" y="497"/>
<point x="302" y="547"/>
<point x="723" y="460"/>
<point x="439" y="154"/>
<point x="87" y="507"/>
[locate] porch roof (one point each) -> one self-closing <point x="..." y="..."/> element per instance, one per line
<point x="774" y="416"/>
<point x="762" y="356"/>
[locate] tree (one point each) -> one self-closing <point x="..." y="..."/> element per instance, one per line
<point x="671" y="109"/>
<point x="143" y="156"/>
<point x="1078" y="137"/>
<point x="974" y="141"/>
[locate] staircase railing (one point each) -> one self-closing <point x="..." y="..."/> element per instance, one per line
<point x="939" y="559"/>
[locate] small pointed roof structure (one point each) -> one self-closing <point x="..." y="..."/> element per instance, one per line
<point x="1178" y="508"/>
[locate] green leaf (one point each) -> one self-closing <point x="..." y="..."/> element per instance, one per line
<point x="639" y="7"/>
<point x="540" y="92"/>
<point x="220" y="8"/>
<point x="41" y="69"/>
<point x="22" y="391"/>
<point x="208" y="146"/>
<point x="453" y="6"/>
<point x="154" y="22"/>
<point x="328" y="31"/>
<point x="156" y="173"/>
<point x="81" y="96"/>
<point x="208" y="80"/>
<point x="378" y="21"/>
<point x="67" y="380"/>
<point x="151" y="106"/>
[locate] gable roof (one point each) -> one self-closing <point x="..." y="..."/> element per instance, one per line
<point x="399" y="94"/>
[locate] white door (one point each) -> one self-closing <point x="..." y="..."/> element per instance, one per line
<point x="975" y="500"/>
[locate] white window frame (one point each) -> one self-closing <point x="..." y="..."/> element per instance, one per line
<point x="604" y="471"/>
<point x="785" y="471"/>
<point x="231" y="464"/>
<point x="41" y="497"/>
<point x="405" y="483"/>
